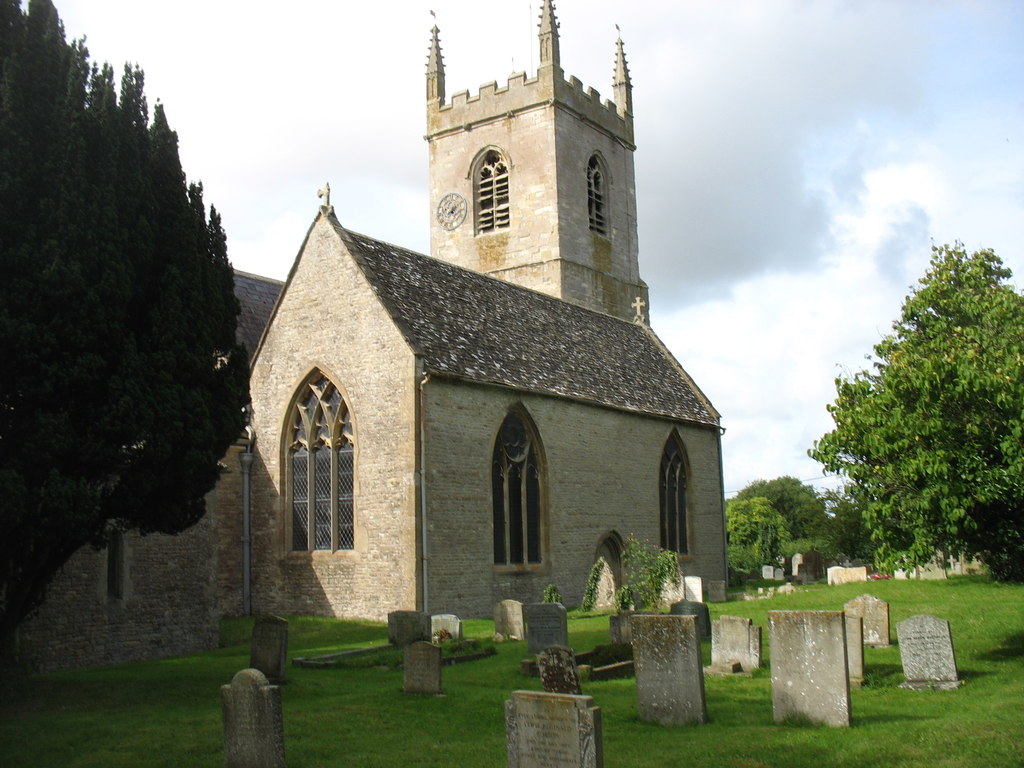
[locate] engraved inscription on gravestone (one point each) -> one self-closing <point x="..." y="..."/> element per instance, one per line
<point x="546" y="625"/>
<point x="926" y="649"/>
<point x="558" y="672"/>
<point x="551" y="730"/>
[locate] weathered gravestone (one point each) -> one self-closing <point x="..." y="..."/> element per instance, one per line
<point x="421" y="668"/>
<point x="768" y="572"/>
<point x="698" y="610"/>
<point x="618" y="628"/>
<point x="553" y="730"/>
<point x="669" y="676"/>
<point x="407" y="627"/>
<point x="546" y="625"/>
<point x="812" y="566"/>
<point x="558" y="672"/>
<point x="448" y="623"/>
<point x="810" y="678"/>
<point x="779" y="575"/>
<point x="693" y="588"/>
<point x="735" y="639"/>
<point x="508" y="620"/>
<point x="926" y="650"/>
<point x="837" y="574"/>
<point x="717" y="591"/>
<point x="855" y="649"/>
<point x="875" y="614"/>
<point x="268" y="648"/>
<point x="253" y="723"/>
<point x="795" y="562"/>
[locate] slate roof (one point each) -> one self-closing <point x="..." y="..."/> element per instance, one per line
<point x="257" y="295"/>
<point x="470" y="326"/>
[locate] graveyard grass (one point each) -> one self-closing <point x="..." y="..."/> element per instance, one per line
<point x="168" y="713"/>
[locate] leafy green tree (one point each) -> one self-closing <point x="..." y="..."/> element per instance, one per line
<point x="757" y="532"/>
<point x="932" y="437"/>
<point x="122" y="383"/>
<point x="847" y="531"/>
<point x="797" y="502"/>
<point x="649" y="570"/>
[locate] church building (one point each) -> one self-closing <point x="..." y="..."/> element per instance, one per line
<point x="442" y="432"/>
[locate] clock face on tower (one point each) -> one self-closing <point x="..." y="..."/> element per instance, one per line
<point x="451" y="211"/>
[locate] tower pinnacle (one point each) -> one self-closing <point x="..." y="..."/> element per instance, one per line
<point x="549" y="55"/>
<point x="622" y="86"/>
<point x="435" y="68"/>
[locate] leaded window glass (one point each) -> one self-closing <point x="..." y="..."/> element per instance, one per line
<point x="516" y="494"/>
<point x="492" y="196"/>
<point x="672" y="497"/>
<point x="596" y="197"/>
<point x="321" y="468"/>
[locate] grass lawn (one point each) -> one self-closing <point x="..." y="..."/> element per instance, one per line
<point x="167" y="713"/>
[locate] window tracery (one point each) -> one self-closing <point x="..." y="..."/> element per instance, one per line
<point x="492" y="193"/>
<point x="516" y="492"/>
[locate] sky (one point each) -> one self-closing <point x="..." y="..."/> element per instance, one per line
<point x="795" y="160"/>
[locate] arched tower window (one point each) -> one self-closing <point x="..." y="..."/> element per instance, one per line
<point x="516" y="492"/>
<point x="596" y="192"/>
<point x="492" y="207"/>
<point x="320" y="464"/>
<point x="672" y="496"/>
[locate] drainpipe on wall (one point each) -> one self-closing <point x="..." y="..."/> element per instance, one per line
<point x="245" y="460"/>
<point x="725" y="523"/>
<point x="423" y="489"/>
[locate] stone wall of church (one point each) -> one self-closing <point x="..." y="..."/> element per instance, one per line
<point x="327" y="306"/>
<point x="167" y="605"/>
<point x="602" y="469"/>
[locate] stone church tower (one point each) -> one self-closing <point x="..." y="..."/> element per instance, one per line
<point x="534" y="182"/>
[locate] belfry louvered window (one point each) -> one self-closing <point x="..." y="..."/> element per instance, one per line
<point x="321" y="468"/>
<point x="516" y="494"/>
<point x="596" y="197"/>
<point x="492" y="200"/>
<point x="672" y="497"/>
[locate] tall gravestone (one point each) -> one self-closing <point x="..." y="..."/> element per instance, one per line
<point x="812" y="566"/>
<point x="717" y="591"/>
<point x="406" y="627"/>
<point x="875" y="614"/>
<point x="618" y="628"/>
<point x="558" y="671"/>
<point x="253" y="722"/>
<point x="268" y="648"/>
<point x="693" y="588"/>
<point x="698" y="610"/>
<point x="810" y="677"/>
<point x="546" y="625"/>
<point x="735" y="639"/>
<point x="669" y="676"/>
<point x="926" y="650"/>
<point x="448" y="623"/>
<point x="508" y="620"/>
<point x="768" y="572"/>
<point x="553" y="730"/>
<point x="421" y="668"/>
<point x="855" y="649"/>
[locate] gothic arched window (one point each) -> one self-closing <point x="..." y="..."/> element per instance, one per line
<point x="320" y="466"/>
<point x="596" y="196"/>
<point x="492" y="202"/>
<point x="516" y="494"/>
<point x="672" y="496"/>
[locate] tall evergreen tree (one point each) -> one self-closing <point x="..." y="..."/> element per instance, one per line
<point x="122" y="382"/>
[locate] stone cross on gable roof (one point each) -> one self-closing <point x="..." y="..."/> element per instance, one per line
<point x="638" y="305"/>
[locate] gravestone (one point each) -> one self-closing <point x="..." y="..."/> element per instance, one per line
<point x="558" y="672"/>
<point x="779" y="575"/>
<point x="812" y="565"/>
<point x="839" y="574"/>
<point x="553" y="730"/>
<point x="268" y="648"/>
<point x="508" y="620"/>
<point x="717" y="591"/>
<point x="618" y="628"/>
<point x="421" y="668"/>
<point x="810" y="678"/>
<point x="698" y="610"/>
<point x="926" y="650"/>
<point x="768" y="572"/>
<point x="795" y="562"/>
<point x="406" y="627"/>
<point x="735" y="639"/>
<point x="448" y="622"/>
<point x="875" y="614"/>
<point x="669" y="676"/>
<point x="546" y="625"/>
<point x="693" y="588"/>
<point x="253" y="723"/>
<point x="855" y="649"/>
